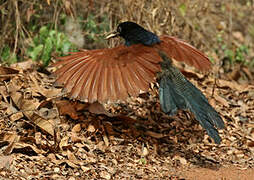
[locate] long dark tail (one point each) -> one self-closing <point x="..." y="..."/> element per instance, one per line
<point x="176" y="92"/>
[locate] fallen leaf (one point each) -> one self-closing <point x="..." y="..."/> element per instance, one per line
<point x="66" y="108"/>
<point x="105" y="175"/>
<point x="64" y="142"/>
<point x="98" y="108"/>
<point x="76" y="128"/>
<point x="91" y="128"/>
<point x="24" y="65"/>
<point x="6" y="73"/>
<point x="181" y="159"/>
<point x="154" y="134"/>
<point x="5" y="162"/>
<point x="16" y="116"/>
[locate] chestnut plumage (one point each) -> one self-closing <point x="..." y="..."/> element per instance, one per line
<point x="116" y="73"/>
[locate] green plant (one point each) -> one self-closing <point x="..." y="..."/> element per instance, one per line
<point x="234" y="54"/>
<point x="94" y="30"/>
<point x="237" y="55"/>
<point x="7" y="56"/>
<point x="46" y="42"/>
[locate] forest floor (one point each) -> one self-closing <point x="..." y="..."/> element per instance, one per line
<point x="46" y="136"/>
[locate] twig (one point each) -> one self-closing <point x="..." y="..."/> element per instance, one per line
<point x="214" y="86"/>
<point x="17" y="25"/>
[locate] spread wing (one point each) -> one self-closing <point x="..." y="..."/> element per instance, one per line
<point x="182" y="51"/>
<point x="108" y="74"/>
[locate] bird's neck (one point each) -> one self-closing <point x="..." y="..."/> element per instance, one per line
<point x="144" y="37"/>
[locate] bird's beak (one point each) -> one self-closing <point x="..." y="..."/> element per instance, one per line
<point x="112" y="35"/>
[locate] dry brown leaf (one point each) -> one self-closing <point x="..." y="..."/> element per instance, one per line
<point x="154" y="134"/>
<point x="85" y="169"/>
<point x="71" y="164"/>
<point x="66" y="108"/>
<point x="25" y="65"/>
<point x="126" y="119"/>
<point x="51" y="93"/>
<point x="232" y="85"/>
<point x="251" y="144"/>
<point x="105" y="175"/>
<point x="238" y="35"/>
<point x="108" y="127"/>
<point x="98" y="108"/>
<point x="27" y="148"/>
<point x="75" y="138"/>
<point x="51" y="156"/>
<point x="76" y="128"/>
<point x="91" y="128"/>
<point x="64" y="142"/>
<point x="12" y="138"/>
<point x="16" y="116"/>
<point x="44" y="124"/>
<point x="181" y="159"/>
<point x="71" y="156"/>
<point x="221" y="100"/>
<point x="248" y="73"/>
<point x="29" y="106"/>
<point x="191" y="74"/>
<point x="6" y="73"/>
<point x="5" y="162"/>
<point x="105" y="139"/>
<point x="145" y="151"/>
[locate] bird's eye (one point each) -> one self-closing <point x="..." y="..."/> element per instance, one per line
<point x="119" y="29"/>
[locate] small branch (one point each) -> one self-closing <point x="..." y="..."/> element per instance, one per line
<point x="17" y="15"/>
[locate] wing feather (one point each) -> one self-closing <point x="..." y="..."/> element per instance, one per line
<point x="119" y="76"/>
<point x="88" y="83"/>
<point x="108" y="74"/>
<point x="74" y="79"/>
<point x="80" y="84"/>
<point x="182" y="51"/>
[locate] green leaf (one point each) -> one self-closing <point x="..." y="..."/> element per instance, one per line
<point x="12" y="59"/>
<point x="230" y="54"/>
<point x="46" y="54"/>
<point x="60" y="38"/>
<point x="5" y="53"/>
<point x="35" y="52"/>
<point x="182" y="8"/>
<point x="43" y="33"/>
<point x="52" y="34"/>
<point x="143" y="161"/>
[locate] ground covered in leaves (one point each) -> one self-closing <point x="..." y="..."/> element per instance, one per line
<point x="47" y="136"/>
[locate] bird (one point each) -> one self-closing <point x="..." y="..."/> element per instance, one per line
<point x="113" y="74"/>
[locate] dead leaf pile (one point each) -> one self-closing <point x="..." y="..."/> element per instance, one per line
<point x="44" y="135"/>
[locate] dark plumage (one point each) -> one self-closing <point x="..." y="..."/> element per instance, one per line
<point x="176" y="92"/>
<point x="116" y="73"/>
<point x="135" y="34"/>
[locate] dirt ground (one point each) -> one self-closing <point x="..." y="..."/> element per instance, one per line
<point x="231" y="173"/>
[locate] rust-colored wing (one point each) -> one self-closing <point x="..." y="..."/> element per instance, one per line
<point x="182" y="51"/>
<point x="108" y="74"/>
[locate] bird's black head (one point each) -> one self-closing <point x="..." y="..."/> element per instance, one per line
<point x="127" y="28"/>
<point x="135" y="34"/>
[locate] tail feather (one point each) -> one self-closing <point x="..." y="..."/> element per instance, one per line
<point x="170" y="100"/>
<point x="176" y="92"/>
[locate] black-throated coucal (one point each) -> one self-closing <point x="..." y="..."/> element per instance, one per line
<point x="116" y="73"/>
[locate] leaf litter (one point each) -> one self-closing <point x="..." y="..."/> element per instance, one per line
<point x="45" y="135"/>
